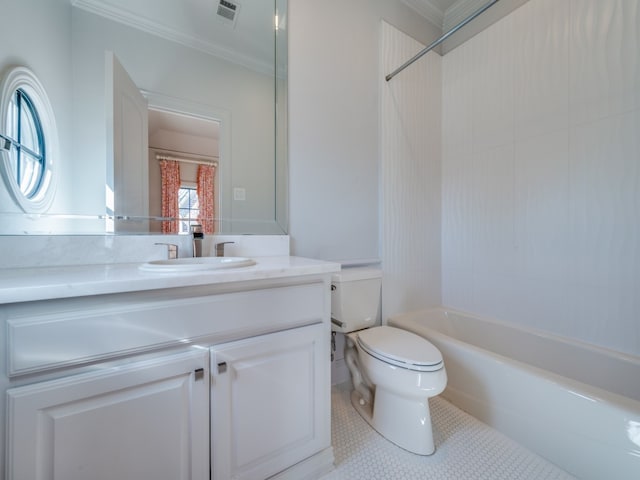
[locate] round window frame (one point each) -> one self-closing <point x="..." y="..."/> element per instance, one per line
<point x="21" y="78"/>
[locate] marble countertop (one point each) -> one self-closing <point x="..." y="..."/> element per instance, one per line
<point x="45" y="283"/>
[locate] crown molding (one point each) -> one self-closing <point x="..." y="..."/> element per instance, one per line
<point x="425" y="8"/>
<point x="146" y="25"/>
<point x="459" y="11"/>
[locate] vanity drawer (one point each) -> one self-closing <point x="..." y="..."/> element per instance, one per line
<point x="47" y="335"/>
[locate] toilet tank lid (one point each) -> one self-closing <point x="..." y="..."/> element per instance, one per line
<point x="356" y="273"/>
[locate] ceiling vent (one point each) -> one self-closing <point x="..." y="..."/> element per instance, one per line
<point x="228" y="12"/>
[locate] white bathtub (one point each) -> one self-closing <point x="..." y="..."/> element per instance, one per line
<point x="574" y="404"/>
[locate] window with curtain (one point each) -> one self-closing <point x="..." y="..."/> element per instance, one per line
<point x="185" y="202"/>
<point x="170" y="176"/>
<point x="205" y="190"/>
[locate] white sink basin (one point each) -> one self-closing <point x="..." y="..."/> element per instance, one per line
<point x="196" y="263"/>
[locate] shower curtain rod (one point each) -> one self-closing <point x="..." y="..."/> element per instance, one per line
<point x="186" y="160"/>
<point x="440" y="40"/>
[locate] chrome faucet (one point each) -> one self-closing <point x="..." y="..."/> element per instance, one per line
<point x="198" y="236"/>
<point x="172" y="250"/>
<point x="220" y="248"/>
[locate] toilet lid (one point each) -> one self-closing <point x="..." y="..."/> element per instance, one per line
<point x="401" y="348"/>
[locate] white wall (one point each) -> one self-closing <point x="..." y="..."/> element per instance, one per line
<point x="541" y="171"/>
<point x="334" y="58"/>
<point x="46" y="52"/>
<point x="410" y="144"/>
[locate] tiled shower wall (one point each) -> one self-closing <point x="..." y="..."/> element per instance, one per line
<point x="410" y="140"/>
<point x="541" y="171"/>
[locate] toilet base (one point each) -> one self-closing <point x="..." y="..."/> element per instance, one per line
<point x="403" y="421"/>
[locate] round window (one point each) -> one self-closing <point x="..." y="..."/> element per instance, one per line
<point x="28" y="140"/>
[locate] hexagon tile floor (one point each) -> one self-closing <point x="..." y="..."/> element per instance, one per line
<point x="466" y="449"/>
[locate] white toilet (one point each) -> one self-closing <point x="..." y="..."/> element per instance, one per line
<point x="394" y="372"/>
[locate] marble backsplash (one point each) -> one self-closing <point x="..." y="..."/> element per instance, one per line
<point x="60" y="250"/>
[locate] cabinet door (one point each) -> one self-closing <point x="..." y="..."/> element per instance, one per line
<point x="143" y="420"/>
<point x="270" y="402"/>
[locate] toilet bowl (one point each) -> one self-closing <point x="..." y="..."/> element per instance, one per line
<point x="395" y="388"/>
<point x="394" y="372"/>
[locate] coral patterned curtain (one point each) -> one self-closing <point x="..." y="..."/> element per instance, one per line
<point x="170" y="174"/>
<point x="205" y="193"/>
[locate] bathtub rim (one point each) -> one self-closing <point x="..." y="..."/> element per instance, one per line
<point x="629" y="357"/>
<point x="594" y="392"/>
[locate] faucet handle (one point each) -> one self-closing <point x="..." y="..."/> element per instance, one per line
<point x="220" y="248"/>
<point x="172" y="249"/>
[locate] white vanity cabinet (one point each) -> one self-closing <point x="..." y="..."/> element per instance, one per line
<point x="221" y="381"/>
<point x="147" y="419"/>
<point x="267" y="402"/>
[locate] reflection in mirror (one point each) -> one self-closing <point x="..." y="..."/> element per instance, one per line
<point x="193" y="143"/>
<point x="185" y="61"/>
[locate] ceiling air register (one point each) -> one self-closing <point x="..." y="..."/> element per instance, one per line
<point x="228" y="11"/>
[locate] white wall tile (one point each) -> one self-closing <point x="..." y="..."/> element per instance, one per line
<point x="542" y="205"/>
<point x="410" y="137"/>
<point x="605" y="202"/>
<point x="457" y="288"/>
<point x="457" y="173"/>
<point x="493" y="87"/>
<point x="457" y="210"/>
<point x="604" y="60"/>
<point x="541" y="68"/>
<point x="493" y="202"/>
<point x="494" y="295"/>
<point x="457" y="93"/>
<point x="552" y="239"/>
<point x="543" y="303"/>
<point x="605" y="314"/>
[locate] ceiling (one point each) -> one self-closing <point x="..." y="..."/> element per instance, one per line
<point x="195" y="23"/>
<point x="445" y="13"/>
<point x="249" y="41"/>
<point x="160" y="121"/>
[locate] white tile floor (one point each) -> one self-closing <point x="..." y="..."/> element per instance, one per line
<point x="466" y="449"/>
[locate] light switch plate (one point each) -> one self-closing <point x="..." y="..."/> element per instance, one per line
<point x="239" y="193"/>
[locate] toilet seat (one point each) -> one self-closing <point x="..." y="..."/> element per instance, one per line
<point x="400" y="348"/>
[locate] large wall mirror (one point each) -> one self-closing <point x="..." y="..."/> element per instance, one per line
<point x="138" y="84"/>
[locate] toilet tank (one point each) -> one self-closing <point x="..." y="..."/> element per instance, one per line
<point x="355" y="299"/>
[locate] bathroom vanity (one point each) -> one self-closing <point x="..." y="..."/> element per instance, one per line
<point x="113" y="372"/>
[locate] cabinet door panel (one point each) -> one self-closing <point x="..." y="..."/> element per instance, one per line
<point x="269" y="409"/>
<point x="148" y="419"/>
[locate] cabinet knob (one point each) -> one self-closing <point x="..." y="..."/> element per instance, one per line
<point x="198" y="374"/>
<point x="222" y="367"/>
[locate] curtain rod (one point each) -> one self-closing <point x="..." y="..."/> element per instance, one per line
<point x="186" y="160"/>
<point x="433" y="45"/>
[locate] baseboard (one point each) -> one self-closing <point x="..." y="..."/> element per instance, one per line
<point x="311" y="468"/>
